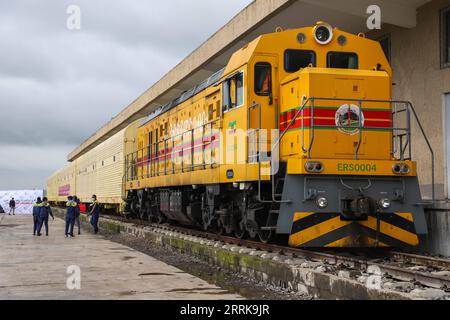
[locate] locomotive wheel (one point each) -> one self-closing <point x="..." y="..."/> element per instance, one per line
<point x="160" y="218"/>
<point x="265" y="236"/>
<point x="143" y="212"/>
<point x="149" y="217"/>
<point x="253" y="233"/>
<point x="240" y="232"/>
<point x="134" y="209"/>
<point x="218" y="229"/>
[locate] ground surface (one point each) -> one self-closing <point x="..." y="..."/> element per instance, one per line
<point x="242" y="285"/>
<point x="36" y="268"/>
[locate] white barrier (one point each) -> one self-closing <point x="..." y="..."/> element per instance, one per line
<point x="24" y="200"/>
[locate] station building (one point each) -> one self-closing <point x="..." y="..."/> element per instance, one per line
<point x="415" y="35"/>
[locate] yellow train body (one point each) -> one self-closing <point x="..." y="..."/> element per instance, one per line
<point x="331" y="104"/>
<point x="181" y="135"/>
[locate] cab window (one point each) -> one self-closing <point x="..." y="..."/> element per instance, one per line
<point x="233" y="92"/>
<point x="295" y="60"/>
<point x="342" y="60"/>
<point x="263" y="78"/>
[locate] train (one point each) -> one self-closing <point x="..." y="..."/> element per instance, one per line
<point x="296" y="139"/>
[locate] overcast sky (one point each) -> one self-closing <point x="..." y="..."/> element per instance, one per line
<point x="57" y="86"/>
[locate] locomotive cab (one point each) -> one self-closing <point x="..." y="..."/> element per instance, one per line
<point x="341" y="186"/>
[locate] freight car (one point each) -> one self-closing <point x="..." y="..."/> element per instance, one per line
<point x="99" y="171"/>
<point x="297" y="137"/>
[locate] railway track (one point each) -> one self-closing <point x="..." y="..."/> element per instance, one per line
<point x="399" y="266"/>
<point x="416" y="259"/>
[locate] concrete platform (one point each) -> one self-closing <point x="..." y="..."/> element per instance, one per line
<point x="36" y="268"/>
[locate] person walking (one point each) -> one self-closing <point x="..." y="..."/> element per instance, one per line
<point x="44" y="212"/>
<point x="95" y="213"/>
<point x="36" y="208"/>
<point x="70" y="216"/>
<point x="77" y="214"/>
<point x="12" y="207"/>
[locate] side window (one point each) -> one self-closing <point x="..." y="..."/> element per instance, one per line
<point x="342" y="60"/>
<point x="210" y="112"/>
<point x="239" y="89"/>
<point x="233" y="92"/>
<point x="445" y="37"/>
<point x="295" y="60"/>
<point x="263" y="78"/>
<point x="226" y="95"/>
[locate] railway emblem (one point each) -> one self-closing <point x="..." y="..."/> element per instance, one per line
<point x="349" y="117"/>
<point x="232" y="127"/>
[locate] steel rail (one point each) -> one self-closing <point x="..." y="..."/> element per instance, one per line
<point x="416" y="259"/>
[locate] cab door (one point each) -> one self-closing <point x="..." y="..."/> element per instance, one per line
<point x="263" y="109"/>
<point x="234" y="126"/>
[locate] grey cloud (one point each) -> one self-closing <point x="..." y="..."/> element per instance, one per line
<point x="29" y="167"/>
<point x="58" y="86"/>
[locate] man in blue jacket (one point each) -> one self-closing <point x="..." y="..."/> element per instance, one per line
<point x="44" y="212"/>
<point x="71" y="207"/>
<point x="77" y="214"/>
<point x="36" y="208"/>
<point x="95" y="213"/>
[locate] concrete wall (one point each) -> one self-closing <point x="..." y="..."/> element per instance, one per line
<point x="438" y="239"/>
<point x="419" y="78"/>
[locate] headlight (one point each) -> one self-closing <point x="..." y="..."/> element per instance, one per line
<point x="323" y="33"/>
<point x="314" y="167"/>
<point x="322" y="203"/>
<point x="301" y="37"/>
<point x="401" y="168"/>
<point x="385" y="203"/>
<point x="405" y="169"/>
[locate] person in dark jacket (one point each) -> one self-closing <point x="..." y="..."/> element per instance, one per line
<point x="95" y="213"/>
<point x="44" y="212"/>
<point x="77" y="214"/>
<point x="36" y="208"/>
<point x="70" y="216"/>
<point x="12" y="207"/>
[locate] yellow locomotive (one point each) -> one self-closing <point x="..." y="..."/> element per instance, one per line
<point x="296" y="137"/>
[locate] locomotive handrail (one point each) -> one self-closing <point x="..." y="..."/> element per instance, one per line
<point x="257" y="151"/>
<point x="290" y="124"/>
<point x="153" y="160"/>
<point x="274" y="149"/>
<point x="409" y="108"/>
<point x="433" y="191"/>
